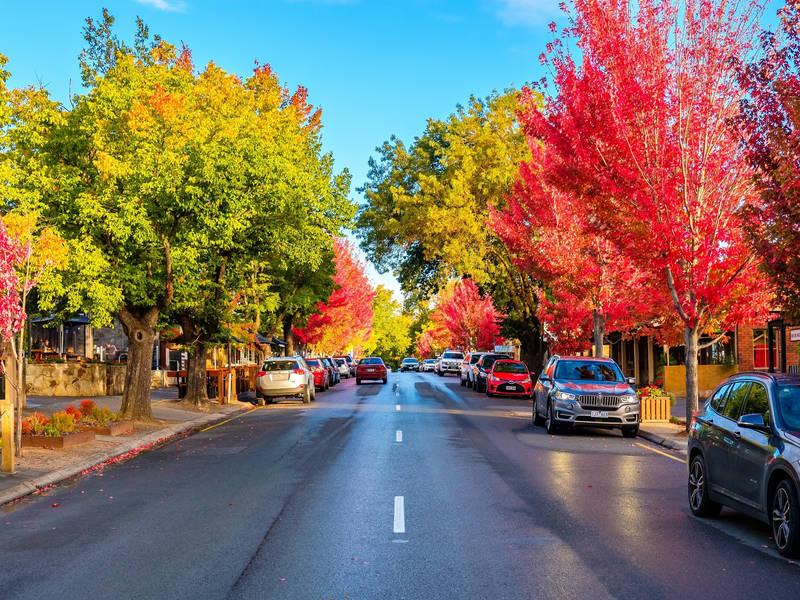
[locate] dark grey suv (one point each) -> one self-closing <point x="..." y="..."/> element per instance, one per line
<point x="744" y="452"/>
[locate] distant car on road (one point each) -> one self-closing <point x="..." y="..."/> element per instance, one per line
<point x="449" y="362"/>
<point x="351" y="364"/>
<point x="482" y="368"/>
<point x="371" y="367"/>
<point x="509" y="378"/>
<point x="409" y="364"/>
<point x="322" y="376"/>
<point x="284" y="377"/>
<point x="578" y="390"/>
<point x="744" y="452"/>
<point x="334" y="370"/>
<point x="344" y="368"/>
<point x="466" y="367"/>
<point x="428" y="365"/>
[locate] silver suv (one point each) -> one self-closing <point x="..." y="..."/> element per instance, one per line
<point x="744" y="452"/>
<point x="577" y="390"/>
<point x="285" y="377"/>
<point x="449" y="362"/>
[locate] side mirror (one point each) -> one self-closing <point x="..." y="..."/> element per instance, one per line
<point x="753" y="421"/>
<point x="631" y="381"/>
<point x="544" y="377"/>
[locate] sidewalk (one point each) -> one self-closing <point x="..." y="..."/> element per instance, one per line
<point x="39" y="468"/>
<point x="668" y="435"/>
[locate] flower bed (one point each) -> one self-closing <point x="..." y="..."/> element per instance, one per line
<point x="56" y="432"/>
<point x="100" y="420"/>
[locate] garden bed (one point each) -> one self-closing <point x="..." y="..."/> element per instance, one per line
<point x="113" y="428"/>
<point x="58" y="442"/>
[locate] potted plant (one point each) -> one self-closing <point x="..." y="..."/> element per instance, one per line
<point x="100" y="420"/>
<point x="56" y="432"/>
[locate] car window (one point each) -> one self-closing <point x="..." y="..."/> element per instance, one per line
<point x="313" y="362"/>
<point x="787" y="401"/>
<point x="510" y="367"/>
<point x="280" y="365"/>
<point x="488" y="360"/>
<point x="339" y="361"/>
<point x="718" y="399"/>
<point x="474" y="358"/>
<point x="457" y="355"/>
<point x="757" y="402"/>
<point x="580" y="370"/>
<point x="371" y="361"/>
<point x="735" y="401"/>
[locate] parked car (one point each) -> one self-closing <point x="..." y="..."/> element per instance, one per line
<point x="578" y="390"/>
<point x="428" y="365"/>
<point x="284" y="377"/>
<point x="344" y="369"/>
<point x="509" y="378"/>
<point x="744" y="452"/>
<point x="409" y="364"/>
<point x="334" y="370"/>
<point x="322" y="376"/>
<point x="482" y="368"/>
<point x="371" y="367"/>
<point x="449" y="362"/>
<point x="351" y="364"/>
<point x="466" y="367"/>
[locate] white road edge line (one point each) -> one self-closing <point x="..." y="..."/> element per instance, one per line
<point x="399" y="515"/>
<point x="397" y="407"/>
<point x="398" y="436"/>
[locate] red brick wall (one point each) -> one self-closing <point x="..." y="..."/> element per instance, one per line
<point x="744" y="347"/>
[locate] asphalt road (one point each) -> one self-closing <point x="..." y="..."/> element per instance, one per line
<point x="417" y="489"/>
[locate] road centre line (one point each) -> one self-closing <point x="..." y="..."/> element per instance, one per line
<point x="680" y="460"/>
<point x="398" y="436"/>
<point x="229" y="420"/>
<point x="399" y="515"/>
<point x="397" y="407"/>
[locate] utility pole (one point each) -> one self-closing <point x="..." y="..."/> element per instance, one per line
<point x="7" y="414"/>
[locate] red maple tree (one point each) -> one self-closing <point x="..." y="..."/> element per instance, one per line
<point x="770" y="122"/>
<point x="345" y="320"/>
<point x="640" y="132"/>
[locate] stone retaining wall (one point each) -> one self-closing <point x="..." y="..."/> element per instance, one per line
<point x="81" y="379"/>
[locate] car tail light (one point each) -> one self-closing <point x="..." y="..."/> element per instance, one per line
<point x="298" y="371"/>
<point x="262" y="373"/>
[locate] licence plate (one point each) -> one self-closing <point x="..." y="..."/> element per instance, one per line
<point x="510" y="387"/>
<point x="370" y="369"/>
<point x="601" y="414"/>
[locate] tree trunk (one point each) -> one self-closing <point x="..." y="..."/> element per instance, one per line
<point x="20" y="392"/>
<point x="598" y="328"/>
<point x="531" y="349"/>
<point x="691" y="337"/>
<point x="196" y="376"/>
<point x="139" y="325"/>
<point x="288" y="334"/>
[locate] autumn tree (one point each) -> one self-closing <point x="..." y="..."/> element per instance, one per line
<point x="344" y="320"/>
<point x="389" y="336"/>
<point x="427" y="205"/>
<point x="770" y="121"/>
<point x="639" y="128"/>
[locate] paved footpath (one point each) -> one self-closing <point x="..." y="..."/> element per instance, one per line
<point x="39" y="468"/>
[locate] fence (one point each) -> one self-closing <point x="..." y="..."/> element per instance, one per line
<point x="656" y="408"/>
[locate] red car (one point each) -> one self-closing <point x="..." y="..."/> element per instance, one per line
<point x="509" y="378"/>
<point x="371" y="367"/>
<point x="321" y="374"/>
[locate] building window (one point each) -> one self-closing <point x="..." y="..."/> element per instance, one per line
<point x="760" y="353"/>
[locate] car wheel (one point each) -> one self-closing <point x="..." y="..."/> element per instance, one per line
<point x="488" y="393"/>
<point x="630" y="431"/>
<point x="786" y="519"/>
<point x="536" y="418"/>
<point x="699" y="502"/>
<point x="550" y="420"/>
<point x="384" y="380"/>
<point x="462" y="382"/>
<point x="306" y="396"/>
<point x="358" y="381"/>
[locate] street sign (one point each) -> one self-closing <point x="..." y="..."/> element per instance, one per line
<point x="794" y="335"/>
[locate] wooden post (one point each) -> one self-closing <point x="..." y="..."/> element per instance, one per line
<point x="7" y="419"/>
<point x="651" y="362"/>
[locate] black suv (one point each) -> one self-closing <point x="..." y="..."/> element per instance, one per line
<point x="578" y="390"/>
<point x="744" y="452"/>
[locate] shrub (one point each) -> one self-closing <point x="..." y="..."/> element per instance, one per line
<point x="35" y="424"/>
<point x="87" y="407"/>
<point x="63" y="422"/>
<point x="73" y="412"/>
<point x="102" y="416"/>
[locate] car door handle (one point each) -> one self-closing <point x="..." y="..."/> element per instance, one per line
<point x="737" y="435"/>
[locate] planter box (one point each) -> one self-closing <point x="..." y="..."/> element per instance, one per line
<point x="58" y="442"/>
<point x="655" y="408"/>
<point x="113" y="428"/>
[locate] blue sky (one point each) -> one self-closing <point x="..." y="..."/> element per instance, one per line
<point x="376" y="67"/>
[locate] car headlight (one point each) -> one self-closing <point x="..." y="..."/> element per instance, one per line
<point x="526" y="380"/>
<point x="564" y="396"/>
<point x="628" y="399"/>
<point x="495" y="379"/>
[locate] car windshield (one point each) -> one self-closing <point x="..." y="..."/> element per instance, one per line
<point x="280" y="365"/>
<point x="339" y="361"/>
<point x="788" y="400"/>
<point x="371" y="361"/>
<point x="313" y="362"/>
<point x="510" y="367"/>
<point x="457" y="355"/>
<point x="581" y="370"/>
<point x="430" y="360"/>
<point x="474" y="358"/>
<point x="409" y="360"/>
